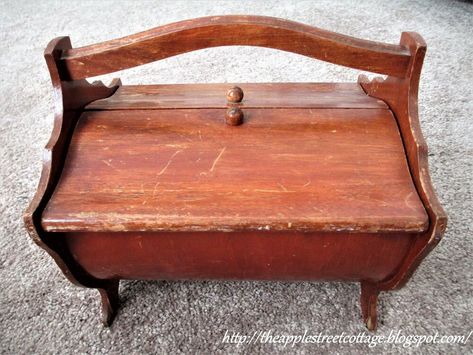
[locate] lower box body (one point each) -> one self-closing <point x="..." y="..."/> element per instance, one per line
<point x="257" y="255"/>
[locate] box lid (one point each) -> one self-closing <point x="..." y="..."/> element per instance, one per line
<point x="311" y="157"/>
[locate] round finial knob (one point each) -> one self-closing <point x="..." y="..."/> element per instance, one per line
<point x="234" y="116"/>
<point x="235" y="94"/>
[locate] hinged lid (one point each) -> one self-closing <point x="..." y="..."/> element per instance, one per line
<point x="268" y="95"/>
<point x="313" y="157"/>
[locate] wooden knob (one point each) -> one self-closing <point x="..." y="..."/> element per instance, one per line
<point x="235" y="94"/>
<point x="234" y="116"/>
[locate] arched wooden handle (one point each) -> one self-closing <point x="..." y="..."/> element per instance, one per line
<point x="181" y="37"/>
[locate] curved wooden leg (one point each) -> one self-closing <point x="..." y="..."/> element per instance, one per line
<point x="110" y="301"/>
<point x="369" y="301"/>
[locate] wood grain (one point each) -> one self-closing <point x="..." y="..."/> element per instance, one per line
<point x="257" y="255"/>
<point x="270" y="95"/>
<point x="185" y="36"/>
<point x="69" y="99"/>
<point x="323" y="170"/>
<point x="321" y="181"/>
<point x="402" y="97"/>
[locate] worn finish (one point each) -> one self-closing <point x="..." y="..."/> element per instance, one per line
<point x="321" y="181"/>
<point x="401" y="96"/>
<point x="369" y="302"/>
<point x="323" y="170"/>
<point x="268" y="95"/>
<point x="185" y="36"/>
<point x="70" y="98"/>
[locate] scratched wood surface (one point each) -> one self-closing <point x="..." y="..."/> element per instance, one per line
<point x="402" y="97"/>
<point x="269" y="95"/>
<point x="185" y="169"/>
<point x="316" y="178"/>
<point x="214" y="31"/>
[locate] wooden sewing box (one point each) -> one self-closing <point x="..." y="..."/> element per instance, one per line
<point x="237" y="181"/>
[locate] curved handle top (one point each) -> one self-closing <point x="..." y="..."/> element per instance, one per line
<point x="190" y="35"/>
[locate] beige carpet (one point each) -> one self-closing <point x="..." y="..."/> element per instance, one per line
<point x="41" y="312"/>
